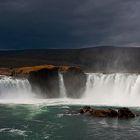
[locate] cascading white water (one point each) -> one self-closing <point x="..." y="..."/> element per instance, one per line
<point x="62" y="86"/>
<point x="15" y="88"/>
<point x="113" y="89"/>
<point x="101" y="89"/>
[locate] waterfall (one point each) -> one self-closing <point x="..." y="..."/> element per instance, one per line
<point x="116" y="89"/>
<point x="15" y="88"/>
<point x="62" y="86"/>
<point x="113" y="89"/>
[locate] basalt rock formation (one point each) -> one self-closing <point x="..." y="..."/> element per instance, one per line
<point x="124" y="113"/>
<point x="75" y="81"/>
<point x="45" y="79"/>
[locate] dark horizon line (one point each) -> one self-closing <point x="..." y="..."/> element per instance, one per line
<point x="89" y="47"/>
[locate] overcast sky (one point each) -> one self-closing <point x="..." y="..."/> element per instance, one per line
<point x="68" y="23"/>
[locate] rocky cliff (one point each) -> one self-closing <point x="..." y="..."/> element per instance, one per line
<point x="44" y="79"/>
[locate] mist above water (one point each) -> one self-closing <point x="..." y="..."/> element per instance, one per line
<point x="101" y="89"/>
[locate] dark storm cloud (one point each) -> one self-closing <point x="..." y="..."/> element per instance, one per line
<point x="65" y="24"/>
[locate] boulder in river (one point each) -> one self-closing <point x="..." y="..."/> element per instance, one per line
<point x="120" y="113"/>
<point x="125" y="113"/>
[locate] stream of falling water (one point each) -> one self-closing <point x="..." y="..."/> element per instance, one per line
<point x="62" y="86"/>
<point x="15" y="88"/>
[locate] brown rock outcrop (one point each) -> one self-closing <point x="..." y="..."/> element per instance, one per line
<point x="28" y="70"/>
<point x="125" y="113"/>
<point x="120" y="113"/>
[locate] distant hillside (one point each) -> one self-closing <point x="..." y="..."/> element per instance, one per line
<point x="96" y="59"/>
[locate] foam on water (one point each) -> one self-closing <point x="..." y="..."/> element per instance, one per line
<point x="14" y="131"/>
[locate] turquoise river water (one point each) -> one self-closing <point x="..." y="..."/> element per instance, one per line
<point x="61" y="122"/>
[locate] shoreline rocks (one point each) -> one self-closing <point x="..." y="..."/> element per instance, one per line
<point x="122" y="113"/>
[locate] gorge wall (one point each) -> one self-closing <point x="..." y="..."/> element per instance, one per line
<point x="46" y="80"/>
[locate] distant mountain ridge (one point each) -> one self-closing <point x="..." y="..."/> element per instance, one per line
<point x="97" y="59"/>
